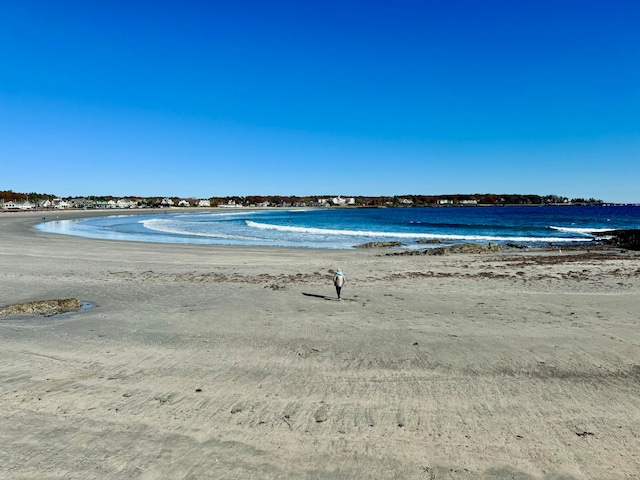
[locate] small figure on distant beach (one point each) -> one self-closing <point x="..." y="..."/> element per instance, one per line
<point x="338" y="281"/>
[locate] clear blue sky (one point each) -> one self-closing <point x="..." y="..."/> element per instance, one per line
<point x="200" y="99"/>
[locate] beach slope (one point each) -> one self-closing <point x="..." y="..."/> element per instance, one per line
<point x="218" y="362"/>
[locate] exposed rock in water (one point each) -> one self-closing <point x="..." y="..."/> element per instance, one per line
<point x="379" y="244"/>
<point x="458" y="248"/>
<point x="43" y="307"/>
<point x="628" y="239"/>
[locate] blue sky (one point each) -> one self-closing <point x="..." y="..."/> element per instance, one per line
<point x="200" y="99"/>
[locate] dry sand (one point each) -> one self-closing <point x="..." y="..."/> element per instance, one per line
<point x="222" y="362"/>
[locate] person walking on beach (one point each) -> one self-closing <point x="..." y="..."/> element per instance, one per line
<point x="338" y="281"/>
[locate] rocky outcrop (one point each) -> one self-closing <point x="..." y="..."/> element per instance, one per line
<point x="464" y="248"/>
<point x="450" y="249"/>
<point x="44" y="307"/>
<point x="379" y="244"/>
<point x="628" y="239"/>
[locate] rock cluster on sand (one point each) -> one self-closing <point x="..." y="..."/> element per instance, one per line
<point x="458" y="248"/>
<point x="378" y="244"/>
<point x="43" y="307"/>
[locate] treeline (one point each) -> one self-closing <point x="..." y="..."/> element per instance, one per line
<point x="363" y="201"/>
<point x="414" y="200"/>
<point x="11" y="196"/>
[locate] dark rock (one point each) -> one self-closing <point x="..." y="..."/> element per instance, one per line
<point x="628" y="239"/>
<point x="457" y="248"/>
<point x="464" y="248"/>
<point x="379" y="244"/>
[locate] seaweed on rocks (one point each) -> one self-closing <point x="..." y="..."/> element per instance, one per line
<point x="627" y="239"/>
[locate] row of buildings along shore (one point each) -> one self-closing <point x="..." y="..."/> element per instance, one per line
<point x="21" y="203"/>
<point x="126" y="203"/>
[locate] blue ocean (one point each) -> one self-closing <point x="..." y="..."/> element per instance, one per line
<point x="343" y="228"/>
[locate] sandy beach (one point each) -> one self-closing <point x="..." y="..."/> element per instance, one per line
<point x="211" y="362"/>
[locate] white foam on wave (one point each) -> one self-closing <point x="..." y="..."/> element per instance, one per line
<point x="181" y="228"/>
<point x="226" y="214"/>
<point x="581" y="231"/>
<point x="360" y="233"/>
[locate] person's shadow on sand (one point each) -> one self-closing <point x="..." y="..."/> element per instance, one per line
<point x="324" y="297"/>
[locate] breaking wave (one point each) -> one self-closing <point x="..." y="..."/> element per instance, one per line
<point x="417" y="236"/>
<point x="185" y="228"/>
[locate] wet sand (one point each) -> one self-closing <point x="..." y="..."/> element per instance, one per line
<point x="226" y="362"/>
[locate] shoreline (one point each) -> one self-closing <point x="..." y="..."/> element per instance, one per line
<point x="215" y="361"/>
<point x="625" y="239"/>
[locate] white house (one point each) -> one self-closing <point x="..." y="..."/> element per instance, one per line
<point x="341" y="201"/>
<point x="445" y="201"/>
<point x="231" y="204"/>
<point x="204" y="203"/>
<point x="167" y="202"/>
<point x="125" y="203"/>
<point x="184" y="203"/>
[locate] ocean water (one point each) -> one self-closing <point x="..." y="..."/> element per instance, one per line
<point x="345" y="228"/>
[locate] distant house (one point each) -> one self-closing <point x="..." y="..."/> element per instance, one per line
<point x="204" y="203"/>
<point x="405" y="201"/>
<point x="166" y="202"/>
<point x="468" y="202"/>
<point x="445" y="201"/>
<point x="27" y="206"/>
<point x="231" y="204"/>
<point x="11" y="206"/>
<point x="184" y="203"/>
<point x="125" y="203"/>
<point x="82" y="202"/>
